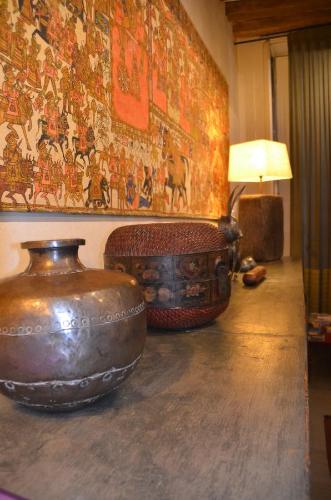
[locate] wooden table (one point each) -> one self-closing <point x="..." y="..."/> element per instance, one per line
<point x="215" y="413"/>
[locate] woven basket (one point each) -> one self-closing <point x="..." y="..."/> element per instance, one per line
<point x="182" y="267"/>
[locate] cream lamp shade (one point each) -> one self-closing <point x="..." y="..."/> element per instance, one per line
<point x="259" y="161"/>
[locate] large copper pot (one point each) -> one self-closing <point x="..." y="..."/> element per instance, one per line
<point x="68" y="334"/>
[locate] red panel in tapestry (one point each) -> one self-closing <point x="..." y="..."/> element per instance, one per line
<point x="130" y="65"/>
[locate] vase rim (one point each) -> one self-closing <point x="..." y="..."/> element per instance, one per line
<point x="52" y="243"/>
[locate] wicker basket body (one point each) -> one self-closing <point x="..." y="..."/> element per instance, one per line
<point x="183" y="270"/>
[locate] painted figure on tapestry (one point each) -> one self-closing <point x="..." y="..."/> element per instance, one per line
<point x="109" y="106"/>
<point x="12" y="158"/>
<point x="73" y="180"/>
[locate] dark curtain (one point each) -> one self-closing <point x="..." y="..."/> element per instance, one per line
<point x="310" y="127"/>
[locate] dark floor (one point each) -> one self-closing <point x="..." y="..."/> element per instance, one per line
<point x="319" y="355"/>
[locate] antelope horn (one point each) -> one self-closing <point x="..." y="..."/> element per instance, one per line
<point x="237" y="196"/>
<point x="229" y="204"/>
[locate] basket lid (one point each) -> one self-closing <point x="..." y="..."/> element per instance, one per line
<point x="165" y="239"/>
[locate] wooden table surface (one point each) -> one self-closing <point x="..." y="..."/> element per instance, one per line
<point x="215" y="413"/>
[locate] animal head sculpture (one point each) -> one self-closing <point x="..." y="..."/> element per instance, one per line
<point x="228" y="223"/>
<point x="230" y="227"/>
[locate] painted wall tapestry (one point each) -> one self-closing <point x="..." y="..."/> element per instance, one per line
<point x="109" y="106"/>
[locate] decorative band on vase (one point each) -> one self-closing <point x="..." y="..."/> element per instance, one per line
<point x="104" y="377"/>
<point x="58" y="325"/>
<point x="65" y="404"/>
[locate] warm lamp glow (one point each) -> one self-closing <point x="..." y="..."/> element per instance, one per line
<point x="260" y="160"/>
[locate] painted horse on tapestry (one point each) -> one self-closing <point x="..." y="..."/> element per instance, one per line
<point x="60" y="138"/>
<point x="22" y="185"/>
<point x="84" y="144"/>
<point x="178" y="168"/>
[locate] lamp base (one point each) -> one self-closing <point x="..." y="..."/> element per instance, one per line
<point x="261" y="220"/>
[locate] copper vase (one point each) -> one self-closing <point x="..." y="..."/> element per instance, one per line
<point x="68" y="334"/>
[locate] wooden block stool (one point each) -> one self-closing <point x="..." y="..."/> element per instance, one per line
<point x="261" y="221"/>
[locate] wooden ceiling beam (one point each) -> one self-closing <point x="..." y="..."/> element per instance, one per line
<point x="257" y="18"/>
<point x="270" y="26"/>
<point x="248" y="9"/>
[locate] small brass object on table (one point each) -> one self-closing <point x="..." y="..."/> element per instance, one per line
<point x="255" y="276"/>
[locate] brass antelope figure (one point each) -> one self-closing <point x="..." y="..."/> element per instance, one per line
<point x="230" y="226"/>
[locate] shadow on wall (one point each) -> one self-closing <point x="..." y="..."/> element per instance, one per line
<point x="95" y="229"/>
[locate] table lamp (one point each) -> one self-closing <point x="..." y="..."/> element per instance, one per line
<point x="260" y="215"/>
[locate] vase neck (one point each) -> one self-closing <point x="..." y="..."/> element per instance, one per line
<point x="54" y="260"/>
